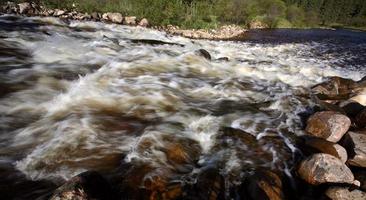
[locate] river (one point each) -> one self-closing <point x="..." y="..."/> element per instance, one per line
<point x="77" y="96"/>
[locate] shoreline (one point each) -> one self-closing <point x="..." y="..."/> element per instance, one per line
<point x="225" y="32"/>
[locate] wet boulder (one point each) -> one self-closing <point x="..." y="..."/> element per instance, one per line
<point x="317" y="145"/>
<point x="344" y="193"/>
<point x="204" y="53"/>
<point x="328" y="125"/>
<point x="351" y="108"/>
<point x="263" y="184"/>
<point x="95" y="16"/>
<point x="58" y="13"/>
<point x="335" y="88"/>
<point x="360" y="119"/>
<point x="324" y="168"/>
<point x="129" y="20"/>
<point x="209" y="185"/>
<point x="355" y="143"/>
<point x="85" y="186"/>
<point x="360" y="175"/>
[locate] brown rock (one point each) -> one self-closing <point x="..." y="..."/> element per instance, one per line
<point x="85" y="186"/>
<point x="335" y="88"/>
<point x="130" y="20"/>
<point x="360" y="119"/>
<point x="264" y="184"/>
<point x="324" y="168"/>
<point x="256" y="24"/>
<point x="355" y="143"/>
<point x="144" y="23"/>
<point x="343" y="193"/>
<point x="328" y="125"/>
<point x="58" y="13"/>
<point x="323" y="146"/>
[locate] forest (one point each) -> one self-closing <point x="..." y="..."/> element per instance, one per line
<point x="213" y="13"/>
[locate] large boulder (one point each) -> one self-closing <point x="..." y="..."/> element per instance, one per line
<point x="318" y="145"/>
<point x="335" y="88"/>
<point x="85" y="186"/>
<point x="324" y="168"/>
<point x="328" y="125"/>
<point x="344" y="193"/>
<point x="355" y="143"/>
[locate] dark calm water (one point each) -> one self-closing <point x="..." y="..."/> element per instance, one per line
<point x="77" y="96"/>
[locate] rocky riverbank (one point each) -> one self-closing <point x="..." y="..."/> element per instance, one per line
<point x="333" y="164"/>
<point x="33" y="9"/>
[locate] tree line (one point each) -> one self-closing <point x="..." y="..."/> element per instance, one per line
<point x="213" y="13"/>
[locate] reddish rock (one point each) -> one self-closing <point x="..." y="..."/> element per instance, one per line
<point x="344" y="193"/>
<point x="324" y="168"/>
<point x="264" y="184"/>
<point x="323" y="146"/>
<point x="355" y="143"/>
<point x="335" y="88"/>
<point x="328" y="125"/>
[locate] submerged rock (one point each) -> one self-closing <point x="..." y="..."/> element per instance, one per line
<point x="355" y="143"/>
<point x="344" y="193"/>
<point x="323" y="146"/>
<point x="204" y="53"/>
<point x="264" y="184"/>
<point x="85" y="186"/>
<point x="328" y="125"/>
<point x="154" y="42"/>
<point x="324" y="168"/>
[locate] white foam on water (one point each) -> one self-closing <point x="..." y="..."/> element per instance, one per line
<point x="97" y="71"/>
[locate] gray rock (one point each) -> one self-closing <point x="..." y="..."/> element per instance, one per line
<point x="343" y="193"/>
<point x="328" y="125"/>
<point x="324" y="168"/>
<point x="355" y="143"/>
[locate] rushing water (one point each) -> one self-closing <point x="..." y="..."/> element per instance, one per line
<point x="79" y="96"/>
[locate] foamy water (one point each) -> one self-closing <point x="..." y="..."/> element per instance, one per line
<point x="84" y="96"/>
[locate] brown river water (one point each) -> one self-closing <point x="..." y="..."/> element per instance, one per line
<point x="78" y="96"/>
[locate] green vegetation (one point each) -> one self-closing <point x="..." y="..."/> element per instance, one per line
<point x="213" y="13"/>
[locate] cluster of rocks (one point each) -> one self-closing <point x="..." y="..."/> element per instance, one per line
<point x="335" y="141"/>
<point x="34" y="9"/>
<point x="222" y="33"/>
